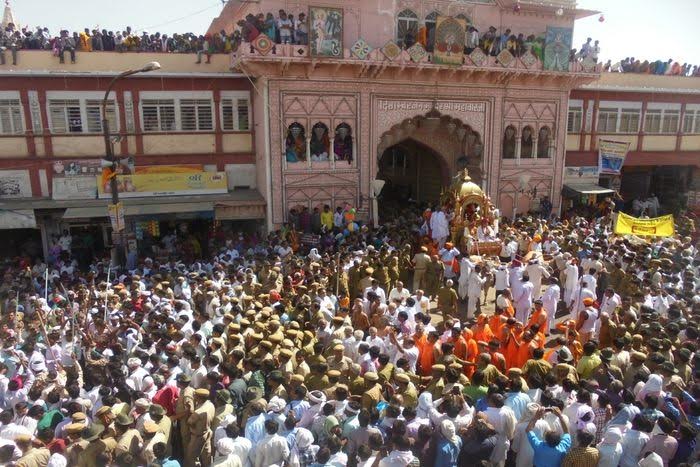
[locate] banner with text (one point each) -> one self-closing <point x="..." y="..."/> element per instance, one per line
<point x="655" y="227"/>
<point x="166" y="184"/>
<point x="611" y="156"/>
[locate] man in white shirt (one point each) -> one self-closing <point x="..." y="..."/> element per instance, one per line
<point x="537" y="272"/>
<point x="422" y="303"/>
<point x="474" y="287"/>
<point x="272" y="449"/>
<point x="610" y="302"/>
<point x="399" y="293"/>
<point x="377" y="290"/>
<point x="550" y="300"/>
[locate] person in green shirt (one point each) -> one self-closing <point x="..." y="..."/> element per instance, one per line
<point x="327" y="218"/>
<point x="589" y="362"/>
<point x="477" y="389"/>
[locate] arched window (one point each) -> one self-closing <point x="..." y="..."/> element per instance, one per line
<point x="509" y="142"/>
<point x="320" y="142"/>
<point x="295" y="144"/>
<point x="406" y="28"/>
<point x="526" y="143"/>
<point x="544" y="138"/>
<point x="430" y="22"/>
<point x="342" y="143"/>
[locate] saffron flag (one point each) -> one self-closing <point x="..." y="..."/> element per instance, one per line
<point x="657" y="227"/>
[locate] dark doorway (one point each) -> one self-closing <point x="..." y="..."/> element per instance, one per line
<point x="414" y="174"/>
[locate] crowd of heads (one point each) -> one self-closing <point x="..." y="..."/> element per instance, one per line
<point x="90" y="40"/>
<point x="271" y="350"/>
<point x="653" y="67"/>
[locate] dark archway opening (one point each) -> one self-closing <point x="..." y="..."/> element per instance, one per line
<point x="414" y="174"/>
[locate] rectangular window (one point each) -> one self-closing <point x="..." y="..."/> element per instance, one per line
<point x="65" y="116"/>
<point x="93" y="114"/>
<point x="607" y="120"/>
<point x="629" y="121"/>
<point x="196" y="115"/>
<point x="80" y="116"/>
<point x="158" y="115"/>
<point x="691" y="122"/>
<point x="652" y="121"/>
<point x="669" y="123"/>
<point x="235" y="118"/>
<point x="10" y="117"/>
<point x="575" y="118"/>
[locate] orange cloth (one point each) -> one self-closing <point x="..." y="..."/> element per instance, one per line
<point x="511" y="350"/>
<point x="499" y="361"/>
<point x="426" y="358"/>
<point x="496" y="323"/>
<point x="576" y="350"/>
<point x="524" y="353"/>
<point x="483" y="332"/>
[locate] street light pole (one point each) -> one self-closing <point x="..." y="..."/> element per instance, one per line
<point x="119" y="256"/>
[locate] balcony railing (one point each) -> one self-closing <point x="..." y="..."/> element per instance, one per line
<point x="527" y="62"/>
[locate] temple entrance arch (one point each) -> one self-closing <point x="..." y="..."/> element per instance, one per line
<point x="418" y="157"/>
<point x="413" y="173"/>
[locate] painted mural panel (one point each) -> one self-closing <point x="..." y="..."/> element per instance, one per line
<point x="326" y="34"/>
<point x="556" y="49"/>
<point x="449" y="40"/>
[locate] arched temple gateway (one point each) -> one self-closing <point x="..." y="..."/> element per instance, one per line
<point x="390" y="91"/>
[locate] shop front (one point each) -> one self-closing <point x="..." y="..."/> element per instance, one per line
<point x="582" y="192"/>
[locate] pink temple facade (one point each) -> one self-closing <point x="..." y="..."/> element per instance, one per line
<point x="327" y="126"/>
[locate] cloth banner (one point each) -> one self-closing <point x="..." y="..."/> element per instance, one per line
<point x="656" y="227"/>
<point x="611" y="156"/>
<point x="166" y="184"/>
<point x="449" y="40"/>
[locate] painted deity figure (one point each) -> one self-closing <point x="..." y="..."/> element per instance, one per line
<point x="526" y="143"/>
<point x="295" y="144"/>
<point x="509" y="143"/>
<point x="319" y="142"/>
<point x="342" y="143"/>
<point x="543" y="143"/>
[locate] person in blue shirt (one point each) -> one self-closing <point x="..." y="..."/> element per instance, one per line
<point x="448" y="446"/>
<point x="551" y="451"/>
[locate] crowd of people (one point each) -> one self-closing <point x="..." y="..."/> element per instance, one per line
<point x="654" y="67"/>
<point x="14" y="40"/>
<point x="381" y="346"/>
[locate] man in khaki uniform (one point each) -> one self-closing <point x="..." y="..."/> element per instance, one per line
<point x="420" y="265"/>
<point x="373" y="394"/>
<point x="447" y="299"/>
<point x="75" y="444"/>
<point x="199" y="447"/>
<point x="106" y="419"/>
<point x="339" y="361"/>
<point x="184" y="407"/>
<point x="129" y="439"/>
<point x="152" y="436"/>
<point x="32" y="457"/>
<point x="95" y="446"/>
<point x="223" y="407"/>
<point x="407" y="389"/>
<point x="165" y="425"/>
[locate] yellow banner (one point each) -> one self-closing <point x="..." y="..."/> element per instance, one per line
<point x="656" y="227"/>
<point x="160" y="169"/>
<point x="165" y="184"/>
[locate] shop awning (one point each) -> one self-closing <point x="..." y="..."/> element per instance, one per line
<point x="139" y="210"/>
<point x="587" y="188"/>
<point x="17" y="219"/>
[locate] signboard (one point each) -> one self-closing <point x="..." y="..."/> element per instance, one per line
<point x="611" y="156"/>
<point x="326" y="32"/>
<point x="655" y="227"/>
<point x="15" y="184"/>
<point x="556" y="49"/>
<point x="449" y="40"/>
<point x="116" y="216"/>
<point x="166" y="184"/>
<point x="583" y="172"/>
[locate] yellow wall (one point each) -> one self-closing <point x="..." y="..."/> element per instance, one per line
<point x="690" y="143"/>
<point x="70" y="146"/>
<point x="179" y="144"/>
<point x="91" y="62"/>
<point x="13" y="147"/>
<point x="659" y="143"/>
<point x="572" y="141"/>
<point x="238" y="142"/>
